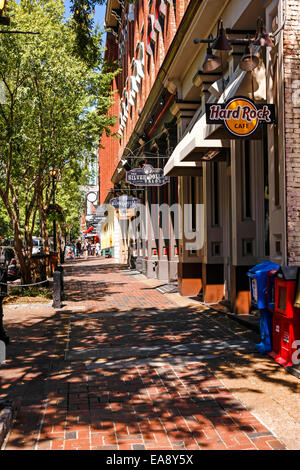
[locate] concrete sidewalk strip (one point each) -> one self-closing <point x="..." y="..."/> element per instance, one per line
<point x="117" y="314"/>
<point x="140" y="351"/>
<point x="150" y="361"/>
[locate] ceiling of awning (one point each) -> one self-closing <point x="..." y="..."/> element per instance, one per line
<point x="196" y="147"/>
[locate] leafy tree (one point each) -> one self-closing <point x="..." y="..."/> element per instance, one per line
<point x="83" y="24"/>
<point x="5" y="227"/>
<point x="55" y="112"/>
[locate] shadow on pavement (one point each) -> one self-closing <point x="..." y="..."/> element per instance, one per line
<point x="124" y="394"/>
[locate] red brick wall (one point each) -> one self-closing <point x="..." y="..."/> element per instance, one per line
<point x="113" y="148"/>
<point x="291" y="63"/>
<point x="108" y="156"/>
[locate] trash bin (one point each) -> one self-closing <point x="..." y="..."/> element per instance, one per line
<point x="258" y="283"/>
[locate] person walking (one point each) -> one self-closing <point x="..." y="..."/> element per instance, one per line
<point x="89" y="248"/>
<point x="86" y="249"/>
<point x="97" y="249"/>
<point x="78" y="248"/>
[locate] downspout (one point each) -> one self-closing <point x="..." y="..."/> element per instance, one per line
<point x="283" y="17"/>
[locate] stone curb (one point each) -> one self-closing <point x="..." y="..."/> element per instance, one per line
<point x="249" y="324"/>
<point x="293" y="370"/>
<point x="8" y="410"/>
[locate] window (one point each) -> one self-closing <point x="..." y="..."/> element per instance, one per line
<point x="151" y="35"/>
<point x="216" y="249"/>
<point x="160" y="13"/>
<point x="247" y="247"/>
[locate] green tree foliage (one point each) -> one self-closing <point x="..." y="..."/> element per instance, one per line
<point x="83" y="24"/>
<point x="5" y="226"/>
<point x="56" y="110"/>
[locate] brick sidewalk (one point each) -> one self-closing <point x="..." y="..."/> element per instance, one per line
<point x="121" y="366"/>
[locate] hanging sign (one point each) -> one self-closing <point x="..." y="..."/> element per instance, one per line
<point x="125" y="202"/>
<point x="97" y="219"/>
<point x="147" y="176"/>
<point x="240" y="115"/>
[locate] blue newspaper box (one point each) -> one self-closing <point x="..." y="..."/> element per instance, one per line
<point x="271" y="289"/>
<point x="266" y="332"/>
<point x="258" y="283"/>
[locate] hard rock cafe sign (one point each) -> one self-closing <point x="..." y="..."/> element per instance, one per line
<point x="240" y="115"/>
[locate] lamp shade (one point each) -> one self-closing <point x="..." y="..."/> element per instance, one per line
<point x="249" y="61"/>
<point x="221" y="42"/>
<point x="262" y="38"/>
<point x="211" y="61"/>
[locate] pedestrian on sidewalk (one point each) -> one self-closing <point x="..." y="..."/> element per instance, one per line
<point x="86" y="249"/>
<point x="89" y="248"/>
<point x="97" y="249"/>
<point x="78" y="248"/>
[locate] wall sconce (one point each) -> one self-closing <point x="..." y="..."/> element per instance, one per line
<point x="249" y="61"/>
<point x="221" y="42"/>
<point x="262" y="38"/>
<point x="211" y="62"/>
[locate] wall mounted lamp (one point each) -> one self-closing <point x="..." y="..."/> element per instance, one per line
<point x="221" y="43"/>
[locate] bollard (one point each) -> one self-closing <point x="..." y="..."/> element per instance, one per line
<point x="61" y="270"/>
<point x="3" y="293"/>
<point x="57" y="289"/>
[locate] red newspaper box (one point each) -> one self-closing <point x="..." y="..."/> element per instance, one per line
<point x="290" y="333"/>
<point x="277" y="328"/>
<point x="286" y="319"/>
<point x="284" y="297"/>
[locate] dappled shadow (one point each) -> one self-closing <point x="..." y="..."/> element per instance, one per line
<point x="184" y="396"/>
<point x="80" y="291"/>
<point x="83" y="267"/>
<point x="141" y="377"/>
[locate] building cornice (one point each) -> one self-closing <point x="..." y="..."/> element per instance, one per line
<point x="110" y="20"/>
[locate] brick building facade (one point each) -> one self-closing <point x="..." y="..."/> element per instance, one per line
<point x="291" y="67"/>
<point x="131" y="28"/>
<point x="248" y="187"/>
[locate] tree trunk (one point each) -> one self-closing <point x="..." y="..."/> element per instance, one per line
<point x="24" y="261"/>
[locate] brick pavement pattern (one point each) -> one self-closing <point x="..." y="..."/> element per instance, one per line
<point x="121" y="367"/>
